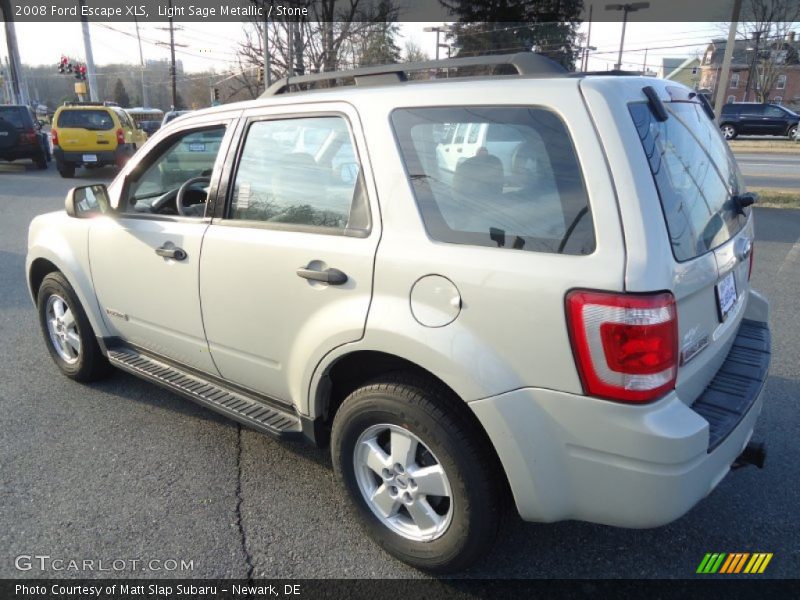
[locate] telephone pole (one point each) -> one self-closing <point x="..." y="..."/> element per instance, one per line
<point x="87" y="48"/>
<point x="145" y="102"/>
<point x="18" y="95"/>
<point x="172" y="59"/>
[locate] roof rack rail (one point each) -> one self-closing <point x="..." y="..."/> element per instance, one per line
<point x="91" y="103"/>
<point x="525" y="63"/>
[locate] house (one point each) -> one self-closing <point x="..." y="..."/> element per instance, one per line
<point x="778" y="71"/>
<point x="687" y="73"/>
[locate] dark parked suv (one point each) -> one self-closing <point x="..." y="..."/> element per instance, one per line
<point x="21" y="136"/>
<point x="750" y="118"/>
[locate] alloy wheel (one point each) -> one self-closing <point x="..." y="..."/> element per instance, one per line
<point x="63" y="329"/>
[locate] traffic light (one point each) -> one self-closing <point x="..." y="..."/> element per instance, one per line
<point x="62" y="65"/>
<point x="260" y="75"/>
<point x="216" y="94"/>
<point x="80" y="72"/>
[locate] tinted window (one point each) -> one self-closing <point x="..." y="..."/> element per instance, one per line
<point x="95" y="120"/>
<point x="14" y="115"/>
<point x="753" y="109"/>
<point x="300" y="172"/>
<point x="774" y="111"/>
<point x="695" y="174"/>
<point x="522" y="190"/>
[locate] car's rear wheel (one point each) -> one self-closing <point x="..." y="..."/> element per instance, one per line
<point x="67" y="331"/>
<point x="420" y="476"/>
<point x="729" y="131"/>
<point x="792" y="132"/>
<point x="41" y="160"/>
<point x="67" y="171"/>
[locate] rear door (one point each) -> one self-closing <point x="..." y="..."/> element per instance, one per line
<point x="287" y="265"/>
<point x="753" y="120"/>
<point x="86" y="130"/>
<point x="696" y="178"/>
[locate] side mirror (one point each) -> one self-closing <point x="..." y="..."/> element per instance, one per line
<point x="87" y="201"/>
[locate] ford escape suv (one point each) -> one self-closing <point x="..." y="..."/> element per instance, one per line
<point x="532" y="286"/>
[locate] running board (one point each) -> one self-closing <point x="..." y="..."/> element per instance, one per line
<point x="233" y="404"/>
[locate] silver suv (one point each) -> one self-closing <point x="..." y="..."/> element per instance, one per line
<point x="531" y="286"/>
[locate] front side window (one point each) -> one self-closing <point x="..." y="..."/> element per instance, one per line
<point x="695" y="174"/>
<point x="186" y="156"/>
<point x="301" y="172"/>
<point x="521" y="189"/>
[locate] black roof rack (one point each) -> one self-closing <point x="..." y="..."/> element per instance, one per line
<point x="525" y="63"/>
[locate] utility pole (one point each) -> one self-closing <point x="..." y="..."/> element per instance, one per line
<point x="439" y="29"/>
<point x="722" y="80"/>
<point x="145" y="102"/>
<point x="585" y="61"/>
<point x="753" y="66"/>
<point x="644" y="62"/>
<point x="87" y="48"/>
<point x="13" y="62"/>
<point x="625" y="8"/>
<point x="267" y="76"/>
<point x="172" y="59"/>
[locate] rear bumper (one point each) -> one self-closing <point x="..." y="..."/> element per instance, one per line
<point x="574" y="457"/>
<point x="110" y="157"/>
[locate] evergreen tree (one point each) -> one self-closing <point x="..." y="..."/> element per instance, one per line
<point x="549" y="27"/>
<point x="121" y="94"/>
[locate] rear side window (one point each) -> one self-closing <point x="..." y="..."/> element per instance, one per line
<point x="14" y="116"/>
<point x="521" y="190"/>
<point x="695" y="175"/>
<point x="94" y="120"/>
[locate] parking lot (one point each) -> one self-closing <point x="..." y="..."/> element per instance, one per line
<point x="125" y="470"/>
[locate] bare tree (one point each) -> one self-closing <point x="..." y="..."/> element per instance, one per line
<point x="766" y="25"/>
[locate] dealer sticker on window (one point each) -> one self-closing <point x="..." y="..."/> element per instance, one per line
<point x="726" y="295"/>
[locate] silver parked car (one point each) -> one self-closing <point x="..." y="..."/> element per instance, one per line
<point x="534" y="286"/>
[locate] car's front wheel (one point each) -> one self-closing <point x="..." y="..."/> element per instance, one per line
<point x="728" y="131"/>
<point x="792" y="133"/>
<point x="419" y="473"/>
<point x="67" y="331"/>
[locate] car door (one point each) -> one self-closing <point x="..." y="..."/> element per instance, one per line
<point x="146" y="258"/>
<point x="753" y="120"/>
<point x="775" y="120"/>
<point x="286" y="270"/>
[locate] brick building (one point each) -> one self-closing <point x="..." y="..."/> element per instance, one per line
<point x="785" y="54"/>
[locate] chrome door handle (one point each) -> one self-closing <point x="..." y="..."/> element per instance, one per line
<point x="329" y="276"/>
<point x="171" y="252"/>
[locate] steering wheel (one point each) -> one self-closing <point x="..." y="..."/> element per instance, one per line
<point x="182" y="192"/>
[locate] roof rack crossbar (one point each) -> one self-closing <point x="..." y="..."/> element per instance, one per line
<point x="525" y="63"/>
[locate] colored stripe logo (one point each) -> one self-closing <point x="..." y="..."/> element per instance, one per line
<point x="734" y="563"/>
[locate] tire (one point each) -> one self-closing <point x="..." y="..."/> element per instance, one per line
<point x="729" y="131"/>
<point x="78" y="355"/>
<point x="41" y="160"/>
<point x="389" y="413"/>
<point x="66" y="170"/>
<point x="792" y="132"/>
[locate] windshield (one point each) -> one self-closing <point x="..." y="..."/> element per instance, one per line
<point x="93" y="120"/>
<point x="695" y="174"/>
<point x="12" y="115"/>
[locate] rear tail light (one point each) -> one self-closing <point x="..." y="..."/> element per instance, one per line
<point x="625" y="345"/>
<point x="750" y="268"/>
<point x="28" y="137"/>
<point x="54" y="137"/>
<point x="120" y="136"/>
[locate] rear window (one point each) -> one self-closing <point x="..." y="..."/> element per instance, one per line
<point x="695" y="174"/>
<point x="13" y="115"/>
<point x="519" y="188"/>
<point x="94" y="120"/>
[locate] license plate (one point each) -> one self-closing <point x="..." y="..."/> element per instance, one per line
<point x="90" y="158"/>
<point x="726" y="295"/>
<point x="197" y="147"/>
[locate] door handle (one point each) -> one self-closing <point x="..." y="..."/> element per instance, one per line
<point x="329" y="276"/>
<point x="171" y="252"/>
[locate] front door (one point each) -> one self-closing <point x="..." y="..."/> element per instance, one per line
<point x="146" y="259"/>
<point x="286" y="273"/>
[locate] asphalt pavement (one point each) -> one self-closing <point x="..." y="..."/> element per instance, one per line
<point x="772" y="170"/>
<point x="125" y="470"/>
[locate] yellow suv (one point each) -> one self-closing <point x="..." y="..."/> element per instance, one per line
<point x="92" y="134"/>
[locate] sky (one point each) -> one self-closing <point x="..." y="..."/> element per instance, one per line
<point x="214" y="44"/>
